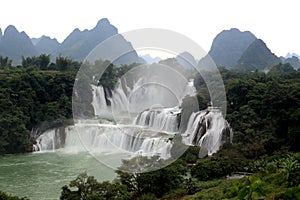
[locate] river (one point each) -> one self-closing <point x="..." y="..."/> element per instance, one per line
<point x="41" y="175"/>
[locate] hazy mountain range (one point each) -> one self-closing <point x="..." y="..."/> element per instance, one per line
<point x="243" y="51"/>
<point x="290" y="55"/>
<point x="149" y="59"/>
<point x="77" y="45"/>
<point x="230" y="48"/>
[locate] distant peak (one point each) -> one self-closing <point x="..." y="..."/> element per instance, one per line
<point x="290" y="55"/>
<point x="76" y="30"/>
<point x="103" y="22"/>
<point x="234" y="29"/>
<point x="46" y="37"/>
<point x="11" y="29"/>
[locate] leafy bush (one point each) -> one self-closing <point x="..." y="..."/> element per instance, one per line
<point x="4" y="196"/>
<point x="86" y="187"/>
<point x="292" y="193"/>
<point x="251" y="186"/>
<point x="211" y="168"/>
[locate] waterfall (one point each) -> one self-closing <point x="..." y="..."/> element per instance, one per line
<point x="207" y="129"/>
<point x="166" y="119"/>
<point x="50" y="140"/>
<point x="108" y="138"/>
<point x="151" y="134"/>
<point x="148" y="107"/>
<point x="156" y="146"/>
<point x="99" y="101"/>
<point x="141" y="89"/>
<point x="119" y="100"/>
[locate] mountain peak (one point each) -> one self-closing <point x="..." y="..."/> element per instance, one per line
<point x="187" y="60"/>
<point x="233" y="30"/>
<point x="228" y="46"/>
<point x="16" y="44"/>
<point x="102" y="22"/>
<point x="11" y="30"/>
<point x="45" y="37"/>
<point x="290" y="55"/>
<point x="47" y="45"/>
<point x="76" y="30"/>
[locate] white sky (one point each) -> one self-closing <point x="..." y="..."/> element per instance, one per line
<point x="276" y="22"/>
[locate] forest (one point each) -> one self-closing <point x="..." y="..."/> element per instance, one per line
<point x="263" y="110"/>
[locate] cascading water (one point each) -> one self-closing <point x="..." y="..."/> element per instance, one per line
<point x="50" y="140"/>
<point x="107" y="138"/>
<point x="99" y="101"/>
<point x="151" y="134"/>
<point x="141" y="89"/>
<point x="151" y="131"/>
<point x="166" y="119"/>
<point x="207" y="129"/>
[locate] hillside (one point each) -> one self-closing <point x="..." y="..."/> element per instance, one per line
<point x="257" y="56"/>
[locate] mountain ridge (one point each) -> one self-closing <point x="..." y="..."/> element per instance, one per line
<point x="257" y="56"/>
<point x="227" y="49"/>
<point x="77" y="45"/>
<point x="47" y="45"/>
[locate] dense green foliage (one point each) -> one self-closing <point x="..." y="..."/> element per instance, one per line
<point x="4" y="196"/>
<point x="88" y="188"/>
<point x="274" y="177"/>
<point x="31" y="98"/>
<point x="150" y="185"/>
<point x="5" y="62"/>
<point x="38" y="95"/>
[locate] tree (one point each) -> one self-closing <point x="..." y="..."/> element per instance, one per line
<point x="211" y="168"/>
<point x="157" y="182"/>
<point x="86" y="187"/>
<point x="43" y="61"/>
<point x="64" y="63"/>
<point x="4" y="196"/>
<point x="5" y="62"/>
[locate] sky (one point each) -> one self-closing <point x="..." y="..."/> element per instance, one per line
<point x="274" y="21"/>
